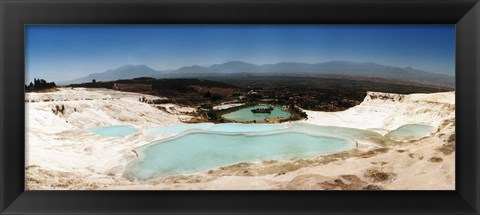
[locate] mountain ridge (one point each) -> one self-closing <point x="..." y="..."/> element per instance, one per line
<point x="349" y="68"/>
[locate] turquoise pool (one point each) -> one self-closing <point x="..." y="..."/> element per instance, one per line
<point x="411" y="131"/>
<point x="113" y="131"/>
<point x="203" y="150"/>
<point x="199" y="147"/>
<point x="246" y="115"/>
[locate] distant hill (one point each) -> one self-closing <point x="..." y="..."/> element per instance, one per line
<point x="344" y="68"/>
<point x="145" y="84"/>
<point x="225" y="68"/>
<point x="124" y="72"/>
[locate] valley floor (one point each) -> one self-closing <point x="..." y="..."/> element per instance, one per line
<point x="61" y="154"/>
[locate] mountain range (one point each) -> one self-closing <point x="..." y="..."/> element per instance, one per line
<point x="343" y="68"/>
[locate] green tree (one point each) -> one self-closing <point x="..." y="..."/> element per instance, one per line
<point x="207" y="95"/>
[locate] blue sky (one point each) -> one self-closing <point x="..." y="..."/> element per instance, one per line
<point x="64" y="52"/>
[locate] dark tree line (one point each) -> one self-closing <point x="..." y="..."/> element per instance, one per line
<point x="39" y="84"/>
<point x="212" y="96"/>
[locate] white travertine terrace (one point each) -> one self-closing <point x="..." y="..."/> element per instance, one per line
<point x="61" y="154"/>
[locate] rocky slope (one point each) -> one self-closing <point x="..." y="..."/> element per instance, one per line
<point x="390" y="111"/>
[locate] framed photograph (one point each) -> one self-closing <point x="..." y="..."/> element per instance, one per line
<point x="240" y="107"/>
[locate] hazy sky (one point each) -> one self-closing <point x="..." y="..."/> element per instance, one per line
<point x="64" y="52"/>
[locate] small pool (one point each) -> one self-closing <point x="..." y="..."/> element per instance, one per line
<point x="113" y="131"/>
<point x="246" y="114"/>
<point x="202" y="150"/>
<point x="411" y="131"/>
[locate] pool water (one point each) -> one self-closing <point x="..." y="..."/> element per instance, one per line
<point x="113" y="131"/>
<point x="411" y="131"/>
<point x="240" y="128"/>
<point x="226" y="127"/>
<point x="176" y="128"/>
<point x="199" y="147"/>
<point x="202" y="150"/>
<point x="246" y="115"/>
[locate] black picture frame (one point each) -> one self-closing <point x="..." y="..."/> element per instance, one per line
<point x="14" y="14"/>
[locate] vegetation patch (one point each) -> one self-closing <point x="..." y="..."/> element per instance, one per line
<point x="40" y="85"/>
